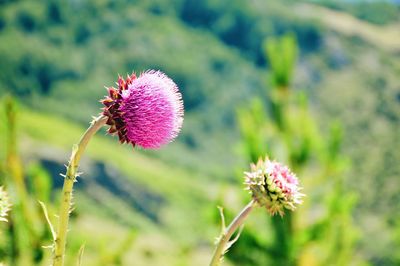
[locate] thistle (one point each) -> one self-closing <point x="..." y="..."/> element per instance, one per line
<point x="146" y="111"/>
<point x="273" y="186"/>
<point x="5" y="205"/>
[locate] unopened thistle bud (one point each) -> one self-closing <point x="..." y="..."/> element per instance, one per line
<point x="146" y="111"/>
<point x="4" y="204"/>
<point x="273" y="186"/>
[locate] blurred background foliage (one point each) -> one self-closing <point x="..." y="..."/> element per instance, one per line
<point x="315" y="84"/>
<point x="290" y="134"/>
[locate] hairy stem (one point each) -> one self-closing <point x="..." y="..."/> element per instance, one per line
<point x="69" y="180"/>
<point x="228" y="232"/>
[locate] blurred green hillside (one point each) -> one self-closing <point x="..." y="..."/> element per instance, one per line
<point x="57" y="56"/>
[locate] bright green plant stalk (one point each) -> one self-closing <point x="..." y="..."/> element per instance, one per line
<point x="69" y="180"/>
<point x="223" y="241"/>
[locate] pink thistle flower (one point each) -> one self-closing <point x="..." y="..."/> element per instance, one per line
<point x="146" y="111"/>
<point x="273" y="186"/>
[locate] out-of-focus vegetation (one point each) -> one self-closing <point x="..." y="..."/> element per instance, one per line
<point x="288" y="133"/>
<point x="22" y="245"/>
<point x="56" y="57"/>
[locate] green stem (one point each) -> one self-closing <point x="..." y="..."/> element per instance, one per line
<point x="69" y="180"/>
<point x="228" y="232"/>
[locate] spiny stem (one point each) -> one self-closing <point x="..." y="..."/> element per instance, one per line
<point x="70" y="178"/>
<point x="228" y="232"/>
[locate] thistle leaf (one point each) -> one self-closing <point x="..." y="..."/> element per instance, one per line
<point x="46" y="215"/>
<point x="80" y="255"/>
<point x="221" y="213"/>
<point x="231" y="242"/>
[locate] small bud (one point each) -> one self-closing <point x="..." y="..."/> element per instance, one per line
<point x="273" y="186"/>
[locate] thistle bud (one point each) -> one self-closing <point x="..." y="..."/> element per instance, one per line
<point x="273" y="186"/>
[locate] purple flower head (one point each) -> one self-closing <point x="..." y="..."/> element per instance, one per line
<point x="146" y="111"/>
<point x="273" y="186"/>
